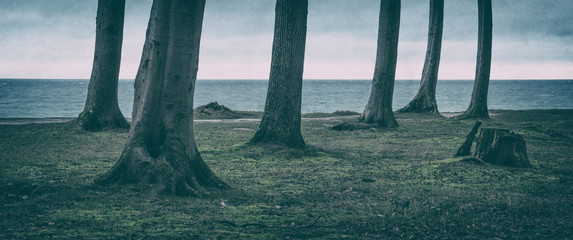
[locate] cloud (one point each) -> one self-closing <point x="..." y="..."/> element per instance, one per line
<point x="244" y="57"/>
<point x="537" y="17"/>
<point x="225" y="18"/>
<point x="40" y="38"/>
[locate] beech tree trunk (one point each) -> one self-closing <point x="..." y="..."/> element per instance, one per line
<point x="282" y="115"/>
<point x="160" y="151"/>
<point x="425" y="99"/>
<point x="478" y="105"/>
<point x="378" y="110"/>
<point x="102" y="108"/>
<point x="500" y="147"/>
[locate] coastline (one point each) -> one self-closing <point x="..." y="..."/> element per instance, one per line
<point x="23" y="121"/>
<point x="323" y="116"/>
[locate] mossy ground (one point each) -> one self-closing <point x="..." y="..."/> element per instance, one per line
<point x="369" y="184"/>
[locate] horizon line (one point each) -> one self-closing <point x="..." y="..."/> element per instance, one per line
<point x="311" y="79"/>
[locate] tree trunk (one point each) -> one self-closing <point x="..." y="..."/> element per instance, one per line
<point x="378" y="110"/>
<point x="466" y="147"/>
<point x="160" y="151"/>
<point x="425" y="99"/>
<point x="140" y="78"/>
<point x="478" y="104"/>
<point x="102" y="108"/>
<point x="282" y="116"/>
<point x="500" y="147"/>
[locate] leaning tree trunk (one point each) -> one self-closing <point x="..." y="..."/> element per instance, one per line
<point x="425" y="99"/>
<point x="282" y="116"/>
<point x="478" y="104"/>
<point x="378" y="110"/>
<point x="160" y="150"/>
<point x="102" y="109"/>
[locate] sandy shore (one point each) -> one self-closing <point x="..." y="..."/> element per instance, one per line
<point x="22" y="121"/>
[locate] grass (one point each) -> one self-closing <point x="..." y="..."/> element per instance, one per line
<point x="369" y="184"/>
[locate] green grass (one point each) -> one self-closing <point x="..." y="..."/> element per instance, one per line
<point x="370" y="184"/>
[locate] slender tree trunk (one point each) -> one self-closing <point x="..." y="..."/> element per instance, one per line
<point x="102" y="109"/>
<point x="478" y="104"/>
<point x="425" y="99"/>
<point x="378" y="110"/>
<point x="161" y="150"/>
<point x="281" y="118"/>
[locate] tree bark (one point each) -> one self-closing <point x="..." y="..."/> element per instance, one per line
<point x="161" y="150"/>
<point x="378" y="110"/>
<point x="425" y="99"/>
<point x="500" y="147"/>
<point x="478" y="105"/>
<point x="102" y="108"/>
<point x="281" y="119"/>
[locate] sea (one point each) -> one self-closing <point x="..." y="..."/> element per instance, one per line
<point x="49" y="98"/>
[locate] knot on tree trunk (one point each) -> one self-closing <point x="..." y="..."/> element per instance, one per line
<point x="501" y="147"/>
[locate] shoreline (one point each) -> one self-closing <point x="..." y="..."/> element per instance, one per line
<point x="24" y="121"/>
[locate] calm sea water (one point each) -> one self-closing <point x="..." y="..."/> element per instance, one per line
<point x="39" y="98"/>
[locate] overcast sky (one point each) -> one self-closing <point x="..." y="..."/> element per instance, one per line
<point x="532" y="39"/>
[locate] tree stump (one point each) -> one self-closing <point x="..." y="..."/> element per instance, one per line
<point x="466" y="147"/>
<point x="500" y="147"/>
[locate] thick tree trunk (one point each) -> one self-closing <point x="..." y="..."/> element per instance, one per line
<point x="425" y="99"/>
<point x="161" y="151"/>
<point x="102" y="109"/>
<point x="282" y="116"/>
<point x="500" y="147"/>
<point x="478" y="104"/>
<point x="378" y="110"/>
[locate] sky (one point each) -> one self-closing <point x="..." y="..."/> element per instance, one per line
<point x="532" y="39"/>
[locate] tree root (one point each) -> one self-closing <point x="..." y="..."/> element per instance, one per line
<point x="170" y="172"/>
<point x="351" y="126"/>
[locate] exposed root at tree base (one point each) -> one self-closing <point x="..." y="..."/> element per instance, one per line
<point x="417" y="106"/>
<point x="351" y="126"/>
<point x="169" y="173"/>
<point x="474" y="160"/>
<point x="91" y="120"/>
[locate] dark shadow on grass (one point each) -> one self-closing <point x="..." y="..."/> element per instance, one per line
<point x="278" y="150"/>
<point x="20" y="190"/>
